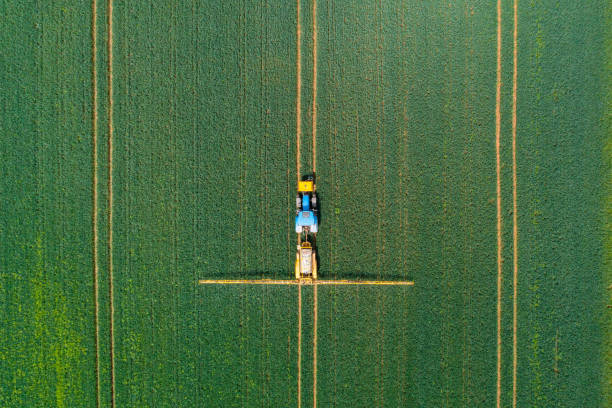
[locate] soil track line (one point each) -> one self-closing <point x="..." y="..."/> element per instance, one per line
<point x="514" y="208"/>
<point x="298" y="95"/>
<point x="298" y="134"/>
<point x="94" y="209"/>
<point x="299" y="385"/>
<point x="314" y="90"/>
<point x="314" y="171"/>
<point x="499" y="215"/>
<point x="110" y="199"/>
<point x="314" y="348"/>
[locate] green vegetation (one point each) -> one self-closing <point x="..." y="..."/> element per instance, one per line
<point x="46" y="311"/>
<point x="203" y="182"/>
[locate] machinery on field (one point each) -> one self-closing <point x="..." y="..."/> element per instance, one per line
<point x="306" y="219"/>
<point x="306" y="262"/>
<point x="306" y="226"/>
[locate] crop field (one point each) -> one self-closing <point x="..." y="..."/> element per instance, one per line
<point x="463" y="145"/>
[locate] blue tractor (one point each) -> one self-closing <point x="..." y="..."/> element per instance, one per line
<point x="306" y="219"/>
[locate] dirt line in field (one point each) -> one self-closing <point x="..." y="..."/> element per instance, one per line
<point x="298" y="135"/>
<point x="314" y="347"/>
<point x="110" y="199"/>
<point x="314" y="87"/>
<point x="314" y="170"/>
<point x="298" y="97"/>
<point x="499" y="215"/>
<point x="299" y="363"/>
<point x="94" y="210"/>
<point x="514" y="208"/>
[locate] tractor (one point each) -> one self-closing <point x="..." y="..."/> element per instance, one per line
<point x="306" y="226"/>
<point x="306" y="219"/>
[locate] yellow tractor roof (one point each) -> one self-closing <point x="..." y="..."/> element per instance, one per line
<point x="305" y="186"/>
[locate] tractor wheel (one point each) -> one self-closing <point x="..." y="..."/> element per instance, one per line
<point x="298" y="203"/>
<point x="314" y="201"/>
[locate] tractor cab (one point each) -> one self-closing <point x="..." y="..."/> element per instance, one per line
<point x="306" y="219"/>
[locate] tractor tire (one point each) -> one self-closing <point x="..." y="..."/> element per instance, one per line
<point x="313" y="201"/>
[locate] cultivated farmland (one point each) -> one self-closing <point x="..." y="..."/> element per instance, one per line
<point x="462" y="145"/>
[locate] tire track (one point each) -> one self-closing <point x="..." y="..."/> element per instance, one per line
<point x="298" y="134"/>
<point x="299" y="377"/>
<point x="109" y="45"/>
<point x="514" y="207"/>
<point x="298" y="97"/>
<point x="498" y="191"/>
<point x="314" y="347"/>
<point x="314" y="87"/>
<point x="314" y="170"/>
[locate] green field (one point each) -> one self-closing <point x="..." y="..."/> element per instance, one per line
<point x="145" y="145"/>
